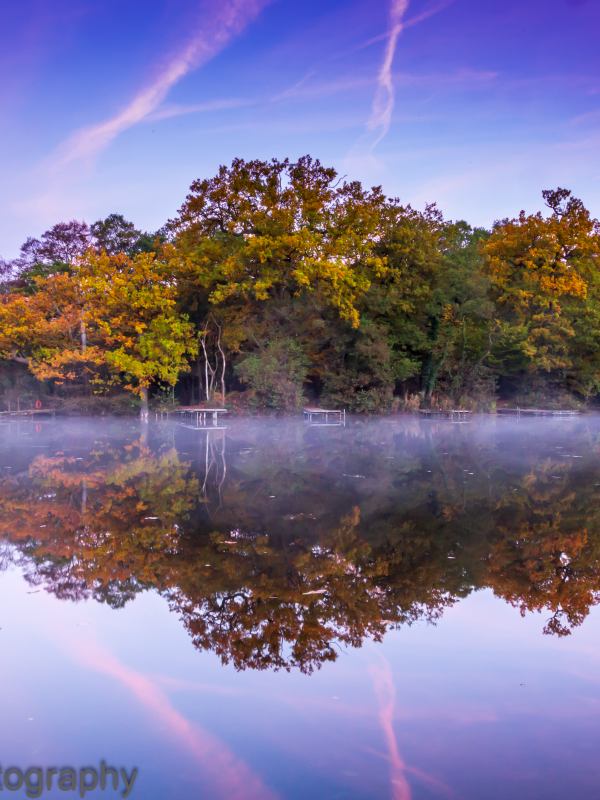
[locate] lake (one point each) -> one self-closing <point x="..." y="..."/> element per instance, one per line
<point x="399" y="608"/>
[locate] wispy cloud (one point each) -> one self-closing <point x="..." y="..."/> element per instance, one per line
<point x="426" y="13"/>
<point x="226" y="19"/>
<point x="584" y="119"/>
<point x="380" y="119"/>
<point x="383" y="103"/>
<point x="180" y="109"/>
<point x="378" y="124"/>
<point x="323" y="88"/>
<point x="462" y="78"/>
<point x="296" y="87"/>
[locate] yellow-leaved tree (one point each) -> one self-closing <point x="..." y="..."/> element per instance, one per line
<point x="545" y="273"/>
<point x="135" y="315"/>
<point x="110" y="319"/>
<point x="271" y="233"/>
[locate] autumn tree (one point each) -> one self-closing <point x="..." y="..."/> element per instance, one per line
<point x="134" y="311"/>
<point x="263" y="232"/>
<point x="281" y="281"/>
<point x="48" y="330"/>
<point x="110" y="319"/>
<point x="546" y="278"/>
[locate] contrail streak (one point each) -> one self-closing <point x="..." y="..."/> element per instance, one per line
<point x="229" y="18"/>
<point x="383" y="103"/>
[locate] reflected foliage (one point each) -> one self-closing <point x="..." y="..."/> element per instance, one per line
<point x="280" y="546"/>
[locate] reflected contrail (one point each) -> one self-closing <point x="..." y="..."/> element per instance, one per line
<point x="228" y="777"/>
<point x="385" y="691"/>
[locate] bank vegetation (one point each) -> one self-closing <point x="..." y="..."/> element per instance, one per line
<point x="280" y="283"/>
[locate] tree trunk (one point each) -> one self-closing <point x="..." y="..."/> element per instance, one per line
<point x="199" y="365"/>
<point x="433" y="375"/>
<point x="224" y="362"/>
<point x="203" y="340"/>
<point x="428" y="368"/>
<point x="83" y="335"/>
<point x="144" y="409"/>
<point x="19" y="359"/>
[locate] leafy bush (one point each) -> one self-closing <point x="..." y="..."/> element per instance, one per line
<point x="275" y="375"/>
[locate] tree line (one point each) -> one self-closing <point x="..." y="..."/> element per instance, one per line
<point x="280" y="282"/>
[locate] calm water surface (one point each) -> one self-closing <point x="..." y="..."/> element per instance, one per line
<point x="395" y="609"/>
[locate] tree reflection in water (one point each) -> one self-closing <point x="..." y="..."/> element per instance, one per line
<point x="278" y="554"/>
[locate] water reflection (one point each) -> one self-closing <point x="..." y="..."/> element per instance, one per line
<point x="278" y="545"/>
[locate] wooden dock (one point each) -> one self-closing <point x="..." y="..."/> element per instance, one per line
<point x="536" y="412"/>
<point x="32" y="412"/>
<point x="445" y="413"/>
<point x="201" y="415"/>
<point x="321" y="416"/>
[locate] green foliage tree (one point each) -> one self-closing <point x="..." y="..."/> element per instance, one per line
<point x="283" y="282"/>
<point x="275" y="374"/>
<point x="116" y="235"/>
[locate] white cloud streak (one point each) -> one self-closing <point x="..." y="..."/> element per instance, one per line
<point x="428" y="12"/>
<point x="178" y="110"/>
<point x="227" y="19"/>
<point x="383" y="103"/>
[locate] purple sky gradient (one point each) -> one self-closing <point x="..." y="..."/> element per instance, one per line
<point x="118" y="106"/>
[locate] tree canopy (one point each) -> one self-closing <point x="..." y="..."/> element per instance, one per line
<point x="281" y="282"/>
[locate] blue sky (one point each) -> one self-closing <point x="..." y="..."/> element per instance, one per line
<point x="118" y="106"/>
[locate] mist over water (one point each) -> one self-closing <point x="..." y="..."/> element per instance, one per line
<point x="254" y="604"/>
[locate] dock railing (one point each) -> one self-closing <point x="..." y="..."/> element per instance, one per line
<point x="201" y="415"/>
<point x="539" y="412"/>
<point x="322" y="416"/>
<point x="445" y="413"/>
<point x="32" y="412"/>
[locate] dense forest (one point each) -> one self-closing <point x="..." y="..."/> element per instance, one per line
<point x="280" y="283"/>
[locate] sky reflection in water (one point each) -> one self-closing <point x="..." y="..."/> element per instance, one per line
<point x="243" y="613"/>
